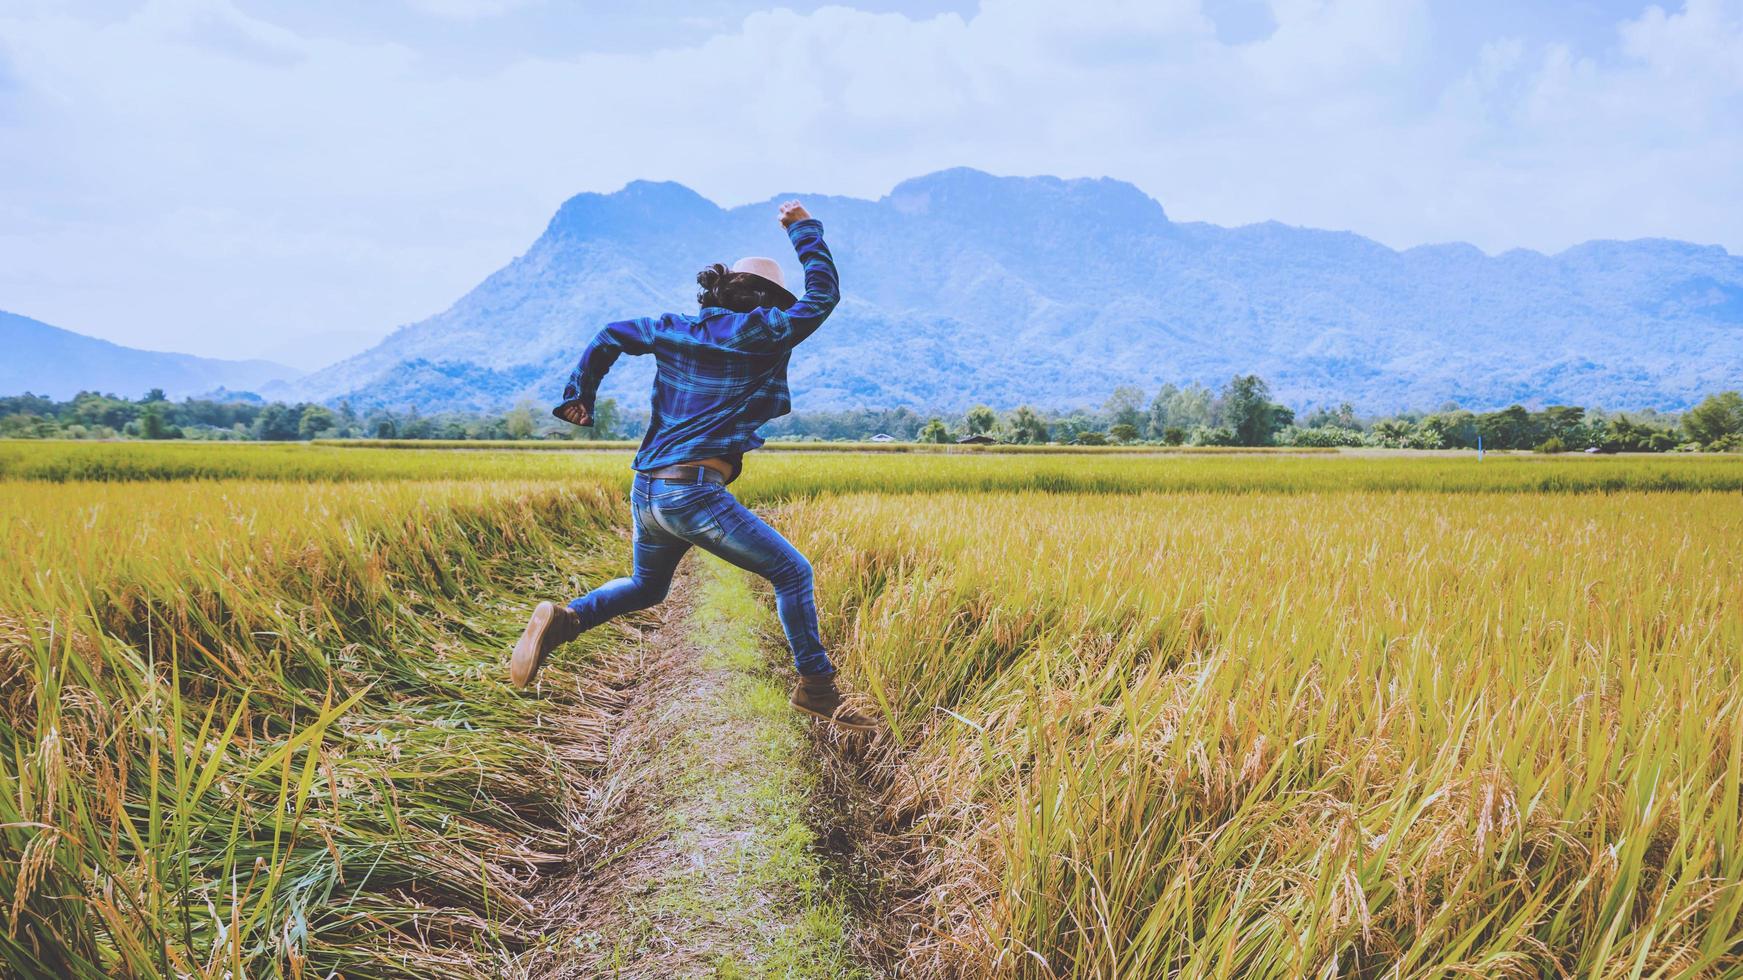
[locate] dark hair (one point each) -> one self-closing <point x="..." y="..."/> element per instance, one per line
<point x="739" y="292"/>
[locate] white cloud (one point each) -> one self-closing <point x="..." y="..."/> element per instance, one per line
<point x="191" y="176"/>
<point x="1641" y="145"/>
<point x="468" y="10"/>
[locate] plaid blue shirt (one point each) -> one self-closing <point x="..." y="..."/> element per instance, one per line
<point x="720" y="374"/>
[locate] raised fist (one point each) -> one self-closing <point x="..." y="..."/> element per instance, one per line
<point x="793" y="211"/>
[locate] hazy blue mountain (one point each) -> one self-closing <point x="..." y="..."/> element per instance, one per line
<point x="962" y="287"/>
<point x="58" y="363"/>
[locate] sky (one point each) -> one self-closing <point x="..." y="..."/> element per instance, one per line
<point x="293" y="179"/>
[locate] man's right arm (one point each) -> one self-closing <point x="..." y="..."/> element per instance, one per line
<point x="822" y="284"/>
<point x="623" y="337"/>
<point x="772" y="328"/>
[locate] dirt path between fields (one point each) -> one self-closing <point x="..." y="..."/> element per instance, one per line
<point x="703" y="864"/>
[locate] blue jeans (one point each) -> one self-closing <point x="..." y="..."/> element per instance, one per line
<point x="670" y="516"/>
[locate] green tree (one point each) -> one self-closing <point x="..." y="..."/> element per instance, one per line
<point x="1715" y="418"/>
<point x="1214" y="435"/>
<point x="93" y="409"/>
<point x="1159" y="408"/>
<point x="1562" y="418"/>
<point x="25" y="425"/>
<point x="520" y="421"/>
<point x="1391" y="433"/>
<point x="415" y="426"/>
<point x="1188" y="408"/>
<point x="153" y="423"/>
<point x="934" y="431"/>
<point x="607" y="419"/>
<point x="1066" y="430"/>
<point x="1027" y="426"/>
<point x="1510" y="428"/>
<point x="1123" y="432"/>
<point x="315" y="419"/>
<point x="154" y="395"/>
<point x="1125" y="407"/>
<point x="1460" y="428"/>
<point x="1325" y="436"/>
<point x="1341" y="417"/>
<point x="1089" y="438"/>
<point x="276" y="423"/>
<point x="1564" y="423"/>
<point x="980" y="420"/>
<point x="1431" y="433"/>
<point x="1625" y="435"/>
<point x="29" y="404"/>
<point x="1173" y="435"/>
<point x="1247" y="409"/>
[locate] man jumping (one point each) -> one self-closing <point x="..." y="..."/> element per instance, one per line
<point x="721" y="374"/>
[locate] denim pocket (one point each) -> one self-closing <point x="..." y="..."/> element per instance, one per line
<point x="688" y="508"/>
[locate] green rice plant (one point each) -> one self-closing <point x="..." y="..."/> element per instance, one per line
<point x="779" y="446"/>
<point x="262" y="728"/>
<point x="1352" y="734"/>
<point x="770" y="477"/>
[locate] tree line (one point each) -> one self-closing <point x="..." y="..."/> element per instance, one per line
<point x="1241" y="413"/>
<point x="92" y="415"/>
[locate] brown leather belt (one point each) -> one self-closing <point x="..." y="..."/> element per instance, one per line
<point x="686" y="474"/>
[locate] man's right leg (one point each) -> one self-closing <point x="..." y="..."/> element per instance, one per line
<point x="734" y="532"/>
<point x="655" y="559"/>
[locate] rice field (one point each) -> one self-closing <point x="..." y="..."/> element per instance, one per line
<point x="256" y="729"/>
<point x="783" y="475"/>
<point x="1310" y="735"/>
<point x="1194" y="715"/>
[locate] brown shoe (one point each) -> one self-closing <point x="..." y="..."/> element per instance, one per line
<point x="551" y="626"/>
<point x="816" y="694"/>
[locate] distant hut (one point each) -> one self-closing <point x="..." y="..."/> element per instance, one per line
<point x="883" y="437"/>
<point x="976" y="440"/>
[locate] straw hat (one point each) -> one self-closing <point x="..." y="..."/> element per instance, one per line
<point x="769" y="269"/>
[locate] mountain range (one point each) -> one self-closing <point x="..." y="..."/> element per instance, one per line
<point x="961" y="287"/>
<point x="56" y="363"/>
